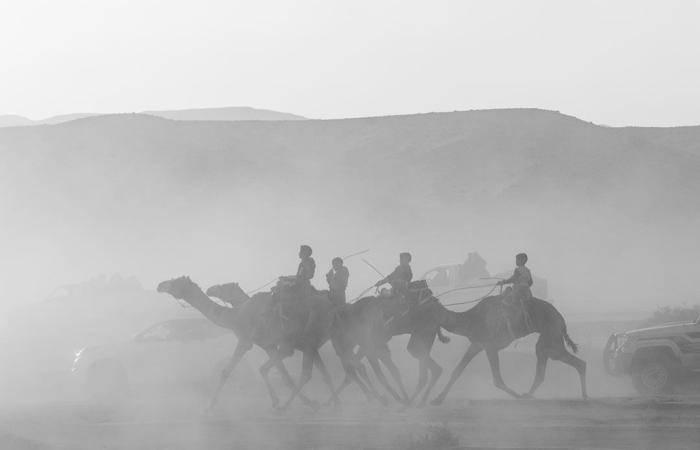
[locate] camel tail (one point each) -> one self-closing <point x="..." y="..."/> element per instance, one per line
<point x="444" y="339"/>
<point x="572" y="345"/>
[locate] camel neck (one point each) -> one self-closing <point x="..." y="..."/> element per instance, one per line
<point x="455" y="322"/>
<point x="220" y="315"/>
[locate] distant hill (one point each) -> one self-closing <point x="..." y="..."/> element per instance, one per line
<point x="64" y="118"/>
<point x="10" y="120"/>
<point x="234" y="113"/>
<point x="611" y="214"/>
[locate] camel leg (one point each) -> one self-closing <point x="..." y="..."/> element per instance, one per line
<point x="318" y="362"/>
<point x="289" y="381"/>
<point x="241" y="350"/>
<point x="370" y="385"/>
<point x="357" y="373"/>
<point x="496" y="373"/>
<point x="539" y="371"/>
<point x="422" y="378"/>
<point x="307" y="364"/>
<point x="264" y="372"/>
<point x="346" y="382"/>
<point x="435" y="372"/>
<point x="579" y="365"/>
<point x="385" y="357"/>
<point x="374" y="363"/>
<point x="472" y="351"/>
<point x="362" y="375"/>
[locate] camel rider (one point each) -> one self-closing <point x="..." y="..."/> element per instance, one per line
<point x="400" y="277"/>
<point x="521" y="279"/>
<point x="307" y="266"/>
<point x="337" y="279"/>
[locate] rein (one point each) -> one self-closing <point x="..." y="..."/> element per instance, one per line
<point x="471" y="301"/>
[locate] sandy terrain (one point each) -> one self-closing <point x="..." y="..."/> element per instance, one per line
<point x="176" y="424"/>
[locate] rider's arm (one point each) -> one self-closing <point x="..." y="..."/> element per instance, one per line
<point x="387" y="279"/>
<point x="511" y="279"/>
<point x="343" y="276"/>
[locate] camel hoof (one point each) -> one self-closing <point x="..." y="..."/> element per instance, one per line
<point x="526" y="396"/>
<point x="383" y="400"/>
<point x="437" y="401"/>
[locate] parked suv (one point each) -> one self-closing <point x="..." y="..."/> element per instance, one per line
<point x="656" y="358"/>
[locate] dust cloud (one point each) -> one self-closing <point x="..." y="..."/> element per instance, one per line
<point x="97" y="211"/>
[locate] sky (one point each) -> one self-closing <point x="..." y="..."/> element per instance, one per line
<point x="614" y="63"/>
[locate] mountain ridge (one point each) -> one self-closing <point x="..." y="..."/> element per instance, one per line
<point x="574" y="192"/>
<point x="230" y="113"/>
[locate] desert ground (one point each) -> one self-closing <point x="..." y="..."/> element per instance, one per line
<point x="54" y="414"/>
<point x="620" y="423"/>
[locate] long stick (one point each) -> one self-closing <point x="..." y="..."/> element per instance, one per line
<point x="263" y="286"/>
<point x="363" y="293"/>
<point x="355" y="254"/>
<point x="375" y="269"/>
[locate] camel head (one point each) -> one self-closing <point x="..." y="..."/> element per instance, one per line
<point x="230" y="293"/>
<point x="177" y="287"/>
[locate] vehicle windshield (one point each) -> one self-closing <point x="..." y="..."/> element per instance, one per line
<point x="438" y="277"/>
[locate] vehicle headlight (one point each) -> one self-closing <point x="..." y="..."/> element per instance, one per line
<point x="622" y="340"/>
<point x="78" y="355"/>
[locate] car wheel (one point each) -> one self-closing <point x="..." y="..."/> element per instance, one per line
<point x="655" y="375"/>
<point x="106" y="381"/>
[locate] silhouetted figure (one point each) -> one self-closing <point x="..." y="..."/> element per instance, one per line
<point x="521" y="279"/>
<point x="307" y="266"/>
<point x="337" y="279"/>
<point x="401" y="276"/>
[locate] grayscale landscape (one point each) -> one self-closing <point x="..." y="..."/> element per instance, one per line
<point x="175" y="268"/>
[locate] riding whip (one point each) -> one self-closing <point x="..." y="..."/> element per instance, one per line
<point x="355" y="254"/>
<point x="374" y="268"/>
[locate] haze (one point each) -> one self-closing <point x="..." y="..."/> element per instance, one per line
<point x="615" y="63"/>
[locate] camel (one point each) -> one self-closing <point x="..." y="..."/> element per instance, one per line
<point x="298" y="332"/>
<point x="369" y="324"/>
<point x="492" y="325"/>
<point x="353" y="325"/>
<point x="422" y="322"/>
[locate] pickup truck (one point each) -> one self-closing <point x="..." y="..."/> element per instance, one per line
<point x="657" y="358"/>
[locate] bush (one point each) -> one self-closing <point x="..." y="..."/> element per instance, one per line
<point x="668" y="314"/>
